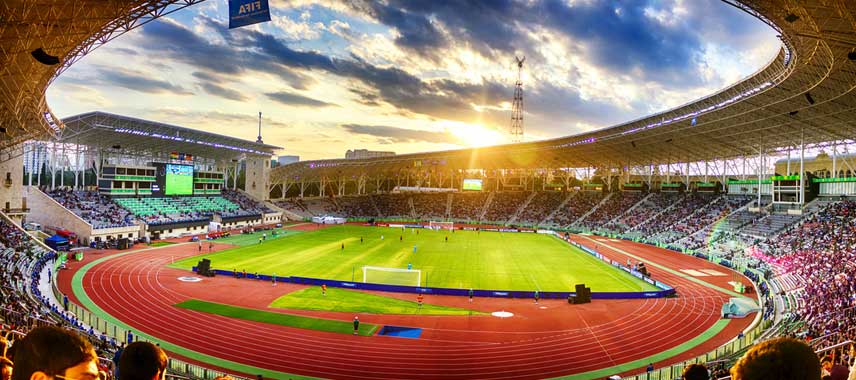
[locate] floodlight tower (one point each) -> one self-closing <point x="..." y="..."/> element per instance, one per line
<point x="259" y="140"/>
<point x="517" y="105"/>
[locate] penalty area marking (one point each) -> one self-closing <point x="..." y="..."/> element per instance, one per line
<point x="502" y="314"/>
<point x="189" y="279"/>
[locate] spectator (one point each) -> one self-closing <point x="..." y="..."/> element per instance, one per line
<point x="778" y="359"/>
<point x="695" y="372"/>
<point x="142" y="361"/>
<point x="48" y="352"/>
<point x="5" y="368"/>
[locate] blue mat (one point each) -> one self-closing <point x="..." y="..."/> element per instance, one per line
<point x="401" y="332"/>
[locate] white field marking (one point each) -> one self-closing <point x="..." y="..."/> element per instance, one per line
<point x="695" y="273"/>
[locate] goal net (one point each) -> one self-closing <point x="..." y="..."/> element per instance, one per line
<point x="392" y="276"/>
<point x="441" y="225"/>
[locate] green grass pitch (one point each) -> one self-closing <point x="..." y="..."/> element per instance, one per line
<point x="341" y="327"/>
<point x="358" y="302"/>
<point x="486" y="260"/>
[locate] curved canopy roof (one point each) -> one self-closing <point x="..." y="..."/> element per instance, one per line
<point x="106" y="130"/>
<point x="804" y="94"/>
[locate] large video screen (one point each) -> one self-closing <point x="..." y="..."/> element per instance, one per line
<point x="179" y="180"/>
<point x="472" y="184"/>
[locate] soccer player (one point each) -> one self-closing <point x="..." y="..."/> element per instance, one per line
<point x="343" y="246"/>
<point x="200" y="246"/>
<point x="210" y="246"/>
<point x="356" y="325"/>
<point x="414" y="249"/>
<point x="260" y="239"/>
<point x="471" y="295"/>
<point x="447" y="239"/>
<point x="401" y="238"/>
<point x="361" y="240"/>
<point x="324" y="290"/>
<point x="273" y="278"/>
<point x="537" y="296"/>
<point x="264" y="236"/>
<point x="419" y="299"/>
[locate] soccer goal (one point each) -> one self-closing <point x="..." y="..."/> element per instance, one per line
<point x="392" y="276"/>
<point x="441" y="225"/>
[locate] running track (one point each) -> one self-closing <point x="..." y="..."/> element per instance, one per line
<point x="540" y="341"/>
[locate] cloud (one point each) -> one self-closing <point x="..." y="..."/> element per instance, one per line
<point x="138" y="82"/>
<point x="292" y="99"/>
<point x="171" y="40"/>
<point x="214" y="85"/>
<point x="223" y="92"/>
<point x="386" y="134"/>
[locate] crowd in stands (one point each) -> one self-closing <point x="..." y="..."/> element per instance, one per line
<point x="822" y="250"/>
<point x="96" y="209"/>
<point x="247" y="206"/>
<point x="357" y="207"/>
<point x="541" y="206"/>
<point x="430" y="206"/>
<point x="504" y="205"/>
<point x="393" y="205"/>
<point x="651" y="206"/>
<point x="660" y="229"/>
<point x="468" y="206"/>
<point x="612" y="208"/>
<point x="579" y="204"/>
<point x="103" y="211"/>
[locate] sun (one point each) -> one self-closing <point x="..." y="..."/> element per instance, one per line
<point x="475" y="135"/>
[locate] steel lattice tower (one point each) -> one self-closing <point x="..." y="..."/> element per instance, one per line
<point x="517" y="105"/>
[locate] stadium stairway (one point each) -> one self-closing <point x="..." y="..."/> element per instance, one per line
<point x="620" y="216"/>
<point x="448" y="206"/>
<point x="412" y="208"/>
<point x="593" y="209"/>
<point x="657" y="215"/>
<point x="521" y="208"/>
<point x="554" y="212"/>
<point x="486" y="205"/>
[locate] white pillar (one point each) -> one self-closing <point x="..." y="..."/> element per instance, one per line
<point x="802" y="168"/>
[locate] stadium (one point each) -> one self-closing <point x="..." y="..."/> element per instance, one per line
<point x="700" y="235"/>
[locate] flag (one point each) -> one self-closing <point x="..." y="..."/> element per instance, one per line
<point x="248" y="12"/>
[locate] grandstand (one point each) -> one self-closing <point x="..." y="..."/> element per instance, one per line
<point x="135" y="188"/>
<point x="696" y="179"/>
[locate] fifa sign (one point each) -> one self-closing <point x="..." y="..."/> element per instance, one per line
<point x="248" y="12"/>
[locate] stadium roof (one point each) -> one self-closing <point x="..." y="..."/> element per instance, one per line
<point x="804" y="94"/>
<point x="109" y="131"/>
<point x="58" y="32"/>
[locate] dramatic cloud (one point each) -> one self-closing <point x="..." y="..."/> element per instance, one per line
<point x="389" y="135"/>
<point x="139" y="82"/>
<point x="292" y="99"/>
<point x="412" y="72"/>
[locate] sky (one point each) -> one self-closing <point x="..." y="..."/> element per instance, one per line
<point x="414" y="76"/>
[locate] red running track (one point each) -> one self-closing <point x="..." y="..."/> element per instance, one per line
<point x="546" y="340"/>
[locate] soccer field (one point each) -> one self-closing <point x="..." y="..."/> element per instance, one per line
<point x="486" y="260"/>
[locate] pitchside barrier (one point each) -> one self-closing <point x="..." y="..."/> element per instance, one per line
<point x="445" y="291"/>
